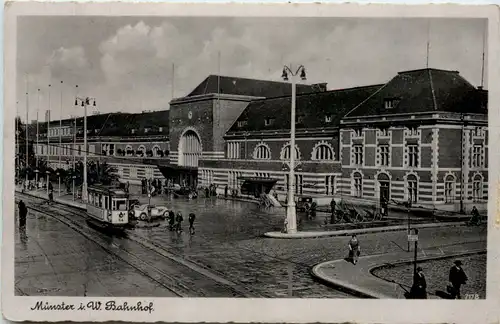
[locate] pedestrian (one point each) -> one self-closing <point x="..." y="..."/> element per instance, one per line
<point x="457" y="279"/>
<point x="23" y="212"/>
<point x="354" y="249"/>
<point x="51" y="196"/>
<point x="171" y="220"/>
<point x="313" y="210"/>
<point x="333" y="204"/>
<point x="127" y="187"/>
<point x="475" y="218"/>
<point x="179" y="220"/>
<point x="191" y="219"/>
<point x="159" y="184"/>
<point x="225" y="191"/>
<point x="207" y="192"/>
<point x="50" y="186"/>
<point x="419" y="288"/>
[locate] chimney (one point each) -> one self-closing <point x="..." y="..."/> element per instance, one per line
<point x="480" y="88"/>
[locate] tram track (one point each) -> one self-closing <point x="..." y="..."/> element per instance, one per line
<point x="155" y="255"/>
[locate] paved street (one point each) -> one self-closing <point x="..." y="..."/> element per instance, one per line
<point x="228" y="242"/>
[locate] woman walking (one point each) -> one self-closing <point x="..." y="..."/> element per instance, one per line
<point x="354" y="250"/>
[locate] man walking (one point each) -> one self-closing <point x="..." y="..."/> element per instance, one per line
<point x="419" y="288"/>
<point x="171" y="220"/>
<point x="354" y="250"/>
<point x="23" y="212"/>
<point x="179" y="220"/>
<point x="191" y="219"/>
<point x="457" y="279"/>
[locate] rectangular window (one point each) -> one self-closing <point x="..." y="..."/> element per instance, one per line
<point x="79" y="150"/>
<point x="329" y="185"/>
<point x="476" y="156"/>
<point x="268" y="121"/>
<point x="412" y="191"/>
<point x="328" y="119"/>
<point x="388" y="103"/>
<point x="384" y="155"/>
<point x="449" y="192"/>
<point x="413" y="131"/>
<point x="112" y="149"/>
<point x="300" y="119"/>
<point x="358" y="154"/>
<point x="242" y="123"/>
<point x="413" y="156"/>
<point x="298" y="184"/>
<point x="358" y="187"/>
<point x="477" y="191"/>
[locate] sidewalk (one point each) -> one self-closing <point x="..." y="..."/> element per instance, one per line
<point x="358" y="279"/>
<point x="345" y="232"/>
<point x="64" y="199"/>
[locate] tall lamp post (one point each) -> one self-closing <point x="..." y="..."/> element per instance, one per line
<point x="59" y="149"/>
<point x="37" y="151"/>
<point x="27" y="135"/>
<point x="48" y="144"/>
<point x="291" y="213"/>
<point x="87" y="101"/>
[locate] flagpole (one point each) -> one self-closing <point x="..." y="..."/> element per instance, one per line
<point x="173" y="79"/>
<point x="37" y="140"/>
<point x="18" y="158"/>
<point x="482" y="59"/>
<point x="27" y="121"/>
<point x="428" y="44"/>
<point x="48" y="143"/>
<point x="59" y="149"/>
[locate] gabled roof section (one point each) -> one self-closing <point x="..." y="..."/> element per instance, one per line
<point x="250" y="87"/>
<point x="424" y="90"/>
<point x="312" y="110"/>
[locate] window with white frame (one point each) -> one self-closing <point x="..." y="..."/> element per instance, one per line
<point x="358" y="154"/>
<point x="384" y="131"/>
<point x="322" y="152"/>
<point x="242" y="123"/>
<point x="233" y="150"/>
<point x="286" y="153"/>
<point x="384" y="155"/>
<point x="449" y="189"/>
<point x="262" y="152"/>
<point x="358" y="185"/>
<point x="156" y="151"/>
<point x="413" y="131"/>
<point x="141" y="150"/>
<point x="298" y="184"/>
<point x="329" y="185"/>
<point x="477" y="188"/>
<point x="477" y="156"/>
<point x="412" y="187"/>
<point x="129" y="151"/>
<point x="413" y="156"/>
<point x="328" y="118"/>
<point x="268" y="121"/>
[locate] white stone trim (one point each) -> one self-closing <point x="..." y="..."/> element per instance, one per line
<point x="254" y="154"/>
<point x="283" y="148"/>
<point x="319" y="144"/>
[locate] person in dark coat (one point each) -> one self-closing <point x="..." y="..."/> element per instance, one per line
<point x="207" y="192"/>
<point x="354" y="249"/>
<point x="51" y="196"/>
<point x="50" y="187"/>
<point x="178" y="221"/>
<point x="191" y="219"/>
<point x="419" y="288"/>
<point x="225" y="191"/>
<point x="23" y="212"/>
<point x="171" y="220"/>
<point x="457" y="279"/>
<point x="313" y="210"/>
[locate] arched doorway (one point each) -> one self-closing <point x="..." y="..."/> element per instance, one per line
<point x="384" y="188"/>
<point x="189" y="149"/>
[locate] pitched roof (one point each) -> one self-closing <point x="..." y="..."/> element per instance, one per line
<point x="312" y="108"/>
<point x="121" y="124"/>
<point x="424" y="90"/>
<point x="250" y="87"/>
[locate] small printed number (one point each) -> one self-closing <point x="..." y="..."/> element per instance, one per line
<point x="471" y="296"/>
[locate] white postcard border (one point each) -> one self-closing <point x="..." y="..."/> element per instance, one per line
<point x="17" y="308"/>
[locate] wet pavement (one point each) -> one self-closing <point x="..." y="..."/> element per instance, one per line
<point x="228" y="242"/>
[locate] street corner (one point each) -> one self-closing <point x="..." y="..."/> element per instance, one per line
<point x="336" y="275"/>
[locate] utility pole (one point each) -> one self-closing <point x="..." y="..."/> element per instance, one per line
<point x="27" y="139"/>
<point x="48" y="143"/>
<point x="59" y="149"/>
<point x="37" y="152"/>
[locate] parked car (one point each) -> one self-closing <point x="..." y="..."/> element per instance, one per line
<point x="302" y="201"/>
<point x="148" y="212"/>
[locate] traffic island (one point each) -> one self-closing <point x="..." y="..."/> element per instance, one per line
<point x="360" y="280"/>
<point x="345" y="232"/>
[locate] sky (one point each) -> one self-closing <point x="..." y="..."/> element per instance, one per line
<point x="131" y="64"/>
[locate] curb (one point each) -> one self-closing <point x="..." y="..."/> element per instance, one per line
<point x="344" y="286"/>
<point x="306" y="235"/>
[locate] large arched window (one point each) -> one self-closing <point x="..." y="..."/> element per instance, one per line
<point x="129" y="151"/>
<point x="357" y="184"/>
<point x="157" y="151"/>
<point x="322" y="151"/>
<point x="449" y="188"/>
<point x="477" y="188"/>
<point x="141" y="150"/>
<point x="412" y="188"/>
<point x="285" y="152"/>
<point x="262" y="152"/>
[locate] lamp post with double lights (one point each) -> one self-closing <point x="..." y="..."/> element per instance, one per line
<point x="291" y="213"/>
<point x="37" y="151"/>
<point x="87" y="101"/>
<point x="48" y="143"/>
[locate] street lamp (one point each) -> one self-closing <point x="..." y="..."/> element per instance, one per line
<point x="84" y="103"/>
<point x="291" y="213"/>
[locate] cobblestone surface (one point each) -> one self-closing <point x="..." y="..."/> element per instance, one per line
<point x="436" y="274"/>
<point x="228" y="240"/>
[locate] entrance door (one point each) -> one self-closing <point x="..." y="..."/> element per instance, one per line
<point x="384" y="191"/>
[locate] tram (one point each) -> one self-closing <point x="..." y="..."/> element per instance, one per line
<point x="108" y="206"/>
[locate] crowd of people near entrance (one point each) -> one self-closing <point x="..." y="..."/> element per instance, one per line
<point x="175" y="222"/>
